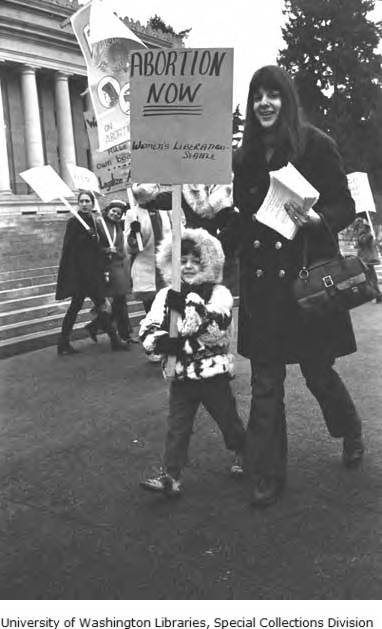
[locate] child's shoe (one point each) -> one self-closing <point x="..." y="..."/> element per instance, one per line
<point x="154" y="358"/>
<point x="237" y="467"/>
<point x="163" y="483"/>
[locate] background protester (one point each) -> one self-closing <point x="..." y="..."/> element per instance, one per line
<point x="116" y="281"/>
<point x="368" y="251"/>
<point x="153" y="225"/>
<point x="272" y="331"/>
<point x="80" y="272"/>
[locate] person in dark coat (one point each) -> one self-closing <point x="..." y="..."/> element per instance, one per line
<point x="116" y="281"/>
<point x="272" y="332"/>
<point x="368" y="251"/>
<point x="80" y="273"/>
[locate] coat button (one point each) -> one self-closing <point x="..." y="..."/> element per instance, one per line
<point x="282" y="273"/>
<point x="256" y="244"/>
<point x="259" y="273"/>
<point x="278" y="245"/>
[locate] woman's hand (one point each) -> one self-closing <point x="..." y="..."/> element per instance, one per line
<point x="300" y="216"/>
<point x="135" y="227"/>
<point x="110" y="252"/>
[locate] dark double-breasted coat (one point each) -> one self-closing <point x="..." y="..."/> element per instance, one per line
<point x="116" y="275"/>
<point x="80" y="268"/>
<point x="271" y="327"/>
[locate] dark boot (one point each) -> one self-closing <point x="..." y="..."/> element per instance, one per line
<point x="352" y="450"/>
<point x="64" y="347"/>
<point x="117" y="345"/>
<point x="92" y="329"/>
<point x="105" y="321"/>
<point x="266" y="491"/>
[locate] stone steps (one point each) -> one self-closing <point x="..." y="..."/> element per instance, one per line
<point x="31" y="318"/>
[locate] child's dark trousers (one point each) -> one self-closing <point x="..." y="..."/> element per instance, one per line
<point x="185" y="397"/>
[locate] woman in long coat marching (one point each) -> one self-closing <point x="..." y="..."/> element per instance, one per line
<point x="272" y="331"/>
<point x="80" y="273"/>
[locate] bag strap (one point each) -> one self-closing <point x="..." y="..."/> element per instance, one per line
<point x="305" y="260"/>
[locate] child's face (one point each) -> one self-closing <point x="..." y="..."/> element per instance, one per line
<point x="190" y="267"/>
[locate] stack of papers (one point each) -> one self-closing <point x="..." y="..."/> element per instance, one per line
<point x="287" y="184"/>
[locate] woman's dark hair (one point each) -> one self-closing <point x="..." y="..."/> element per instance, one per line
<point x="289" y="127"/>
<point x="89" y="193"/>
<point x="110" y="90"/>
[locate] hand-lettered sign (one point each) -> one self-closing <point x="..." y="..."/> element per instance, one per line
<point x="181" y="115"/>
<point x="360" y="190"/>
<point x="106" y="42"/>
<point x="112" y="167"/>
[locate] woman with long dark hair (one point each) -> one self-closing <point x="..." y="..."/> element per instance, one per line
<point x="272" y="331"/>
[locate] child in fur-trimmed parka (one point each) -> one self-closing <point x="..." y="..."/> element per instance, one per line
<point x="203" y="362"/>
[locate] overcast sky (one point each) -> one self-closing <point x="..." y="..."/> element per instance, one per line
<point x="251" y="27"/>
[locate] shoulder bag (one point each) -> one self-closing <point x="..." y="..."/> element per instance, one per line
<point x="334" y="284"/>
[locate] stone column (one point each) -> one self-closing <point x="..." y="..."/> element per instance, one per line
<point x="89" y="107"/>
<point x="66" y="145"/>
<point x="5" y="184"/>
<point x="33" y="136"/>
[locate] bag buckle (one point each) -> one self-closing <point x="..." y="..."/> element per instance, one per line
<point x="304" y="274"/>
<point x="328" y="281"/>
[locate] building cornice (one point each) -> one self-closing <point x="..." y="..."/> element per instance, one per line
<point x="26" y="30"/>
<point x="48" y="7"/>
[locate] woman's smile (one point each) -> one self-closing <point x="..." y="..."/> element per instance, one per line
<point x="267" y="106"/>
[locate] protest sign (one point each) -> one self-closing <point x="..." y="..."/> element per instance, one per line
<point x="105" y="42"/>
<point x="360" y="190"/>
<point x="83" y="178"/>
<point x="181" y="115"/>
<point x="49" y="186"/>
<point x="46" y="183"/>
<point x="111" y="167"/>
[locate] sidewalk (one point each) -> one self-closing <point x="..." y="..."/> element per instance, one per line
<point x="77" y="435"/>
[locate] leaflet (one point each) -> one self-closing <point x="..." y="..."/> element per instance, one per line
<point x="286" y="184"/>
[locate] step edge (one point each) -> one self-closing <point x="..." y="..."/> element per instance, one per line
<point x="50" y="332"/>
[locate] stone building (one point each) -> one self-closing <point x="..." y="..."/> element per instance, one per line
<point x="43" y="80"/>
<point x="43" y="94"/>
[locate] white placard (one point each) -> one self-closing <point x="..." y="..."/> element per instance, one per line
<point x="83" y="178"/>
<point x="360" y="190"/>
<point x="106" y="42"/>
<point x="46" y="183"/>
<point x="111" y="167"/>
<point x="181" y="115"/>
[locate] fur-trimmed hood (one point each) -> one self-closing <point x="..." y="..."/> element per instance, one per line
<point x="211" y="256"/>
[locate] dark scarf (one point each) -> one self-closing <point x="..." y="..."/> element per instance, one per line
<point x="203" y="290"/>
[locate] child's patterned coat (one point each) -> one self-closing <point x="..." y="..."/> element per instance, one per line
<point x="205" y="327"/>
